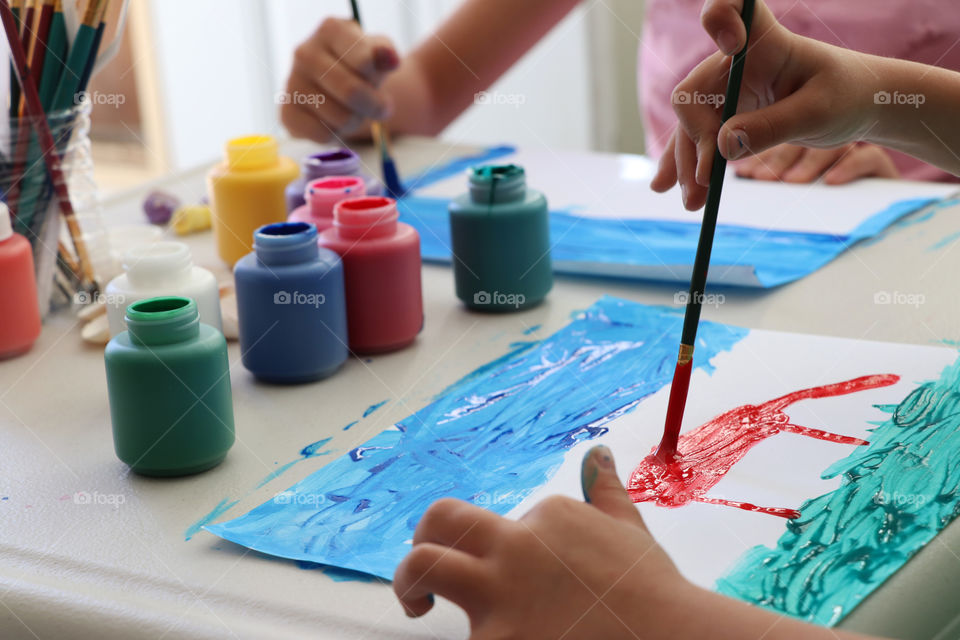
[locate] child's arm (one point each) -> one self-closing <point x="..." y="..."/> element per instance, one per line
<point x="574" y="570"/>
<point x="803" y="91"/>
<point x="362" y="77"/>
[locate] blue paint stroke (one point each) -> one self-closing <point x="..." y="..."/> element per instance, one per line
<point x="434" y="174"/>
<point x="222" y="507"/>
<point x="896" y="494"/>
<point x="501" y="431"/>
<point x="350" y="424"/>
<point x="532" y="329"/>
<point x="621" y="247"/>
<point x="945" y="241"/>
<point x="374" y="407"/>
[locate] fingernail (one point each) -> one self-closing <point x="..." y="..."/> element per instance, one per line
<point x="596" y="458"/>
<point x="737" y="144"/>
<point x="683" y="193"/>
<point x="728" y="42"/>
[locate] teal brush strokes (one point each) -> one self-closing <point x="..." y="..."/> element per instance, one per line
<point x="945" y="241"/>
<point x="374" y="407"/>
<point x="897" y="493"/>
<point x="222" y="507"/>
<point x="492" y="438"/>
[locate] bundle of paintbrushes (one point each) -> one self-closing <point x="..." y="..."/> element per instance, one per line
<point x="49" y="76"/>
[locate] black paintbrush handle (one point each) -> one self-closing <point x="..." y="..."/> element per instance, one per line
<point x="701" y="262"/>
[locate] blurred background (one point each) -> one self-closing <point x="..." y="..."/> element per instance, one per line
<point x="193" y="73"/>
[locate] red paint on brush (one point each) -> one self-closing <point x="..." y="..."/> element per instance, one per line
<point x="667" y="450"/>
<point x="706" y="454"/>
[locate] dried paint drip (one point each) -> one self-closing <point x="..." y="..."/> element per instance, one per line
<point x="707" y="453"/>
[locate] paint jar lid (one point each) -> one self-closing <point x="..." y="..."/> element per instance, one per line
<point x="336" y="162"/>
<point x="497" y="183"/>
<point x="157" y="262"/>
<point x="286" y="243"/>
<point x="6" y="225"/>
<point x="163" y="320"/>
<point x="252" y="152"/>
<point x="366" y="218"/>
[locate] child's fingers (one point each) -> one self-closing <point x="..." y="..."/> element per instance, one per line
<point x="775" y="162"/>
<point x="434" y="569"/>
<point x="602" y="487"/>
<point x="686" y="159"/>
<point x="342" y="84"/>
<point x="317" y="120"/>
<point x="666" y="175"/>
<point x="722" y="22"/>
<point x="459" y="525"/>
<point x="369" y="56"/>
<point x="812" y="164"/>
<point x="862" y="162"/>
<point x="799" y="116"/>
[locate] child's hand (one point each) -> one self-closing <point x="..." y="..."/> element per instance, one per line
<point x="566" y="569"/>
<point x="794" y="90"/>
<point x="334" y="86"/>
<point x="796" y="164"/>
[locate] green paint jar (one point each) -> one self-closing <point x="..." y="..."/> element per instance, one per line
<point x="168" y="380"/>
<point x="500" y="235"/>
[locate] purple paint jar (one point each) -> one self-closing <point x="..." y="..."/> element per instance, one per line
<point x="335" y="162"/>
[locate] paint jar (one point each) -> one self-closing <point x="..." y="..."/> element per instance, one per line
<point x="168" y="380"/>
<point x="161" y="269"/>
<point x="321" y="195"/>
<point x="291" y="305"/>
<point x="381" y="270"/>
<point x="20" y="326"/>
<point x="246" y="192"/>
<point x="500" y="238"/>
<point x="334" y="162"/>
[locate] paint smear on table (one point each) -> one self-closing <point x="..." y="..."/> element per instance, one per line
<point x="625" y="247"/>
<point x="946" y="241"/>
<point x="491" y="438"/>
<point x="896" y="494"/>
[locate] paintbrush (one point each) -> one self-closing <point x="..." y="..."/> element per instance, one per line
<point x="378" y="131"/>
<point x="667" y="450"/>
<point x="49" y="153"/>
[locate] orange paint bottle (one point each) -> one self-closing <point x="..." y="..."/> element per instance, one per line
<point x="20" y="318"/>
<point x="246" y="192"/>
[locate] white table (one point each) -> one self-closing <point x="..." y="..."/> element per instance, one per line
<point x="115" y="569"/>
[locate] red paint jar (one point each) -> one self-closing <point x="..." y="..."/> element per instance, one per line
<point x="20" y="325"/>
<point x="381" y="270"/>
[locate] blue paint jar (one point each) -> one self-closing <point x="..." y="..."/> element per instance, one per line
<point x="290" y="305"/>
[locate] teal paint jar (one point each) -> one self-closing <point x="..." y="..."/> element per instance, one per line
<point x="168" y="381"/>
<point x="500" y="235"/>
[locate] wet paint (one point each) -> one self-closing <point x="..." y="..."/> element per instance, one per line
<point x="374" y="407"/>
<point x="501" y="431"/>
<point x="946" y="241"/>
<point x="222" y="507"/>
<point x="707" y="453"/>
<point x="623" y="247"/>
<point x="896" y="494"/>
<point x="532" y="329"/>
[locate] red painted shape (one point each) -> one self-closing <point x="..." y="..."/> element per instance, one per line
<point x="707" y="453"/>
<point x="667" y="450"/>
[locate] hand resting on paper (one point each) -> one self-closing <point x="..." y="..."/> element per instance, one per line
<point x="801" y="91"/>
<point x="795" y="164"/>
<point x="571" y="569"/>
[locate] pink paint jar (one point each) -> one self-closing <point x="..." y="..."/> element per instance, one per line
<point x="20" y="325"/>
<point x="381" y="270"/>
<point x="320" y="196"/>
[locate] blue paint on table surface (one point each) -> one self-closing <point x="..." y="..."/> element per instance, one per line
<point x="503" y="430"/>
<point x="896" y="494"/>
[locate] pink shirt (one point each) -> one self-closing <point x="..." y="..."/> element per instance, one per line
<point x="674" y="43"/>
